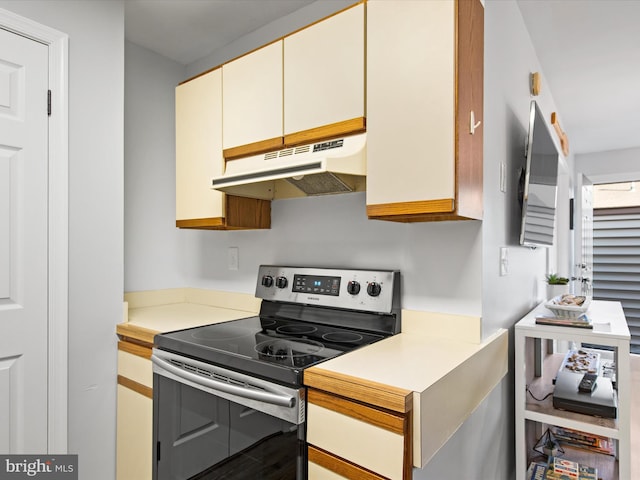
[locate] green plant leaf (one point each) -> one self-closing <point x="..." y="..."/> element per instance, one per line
<point x="554" y="279"/>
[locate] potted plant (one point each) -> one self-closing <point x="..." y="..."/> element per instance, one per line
<point x="556" y="285"/>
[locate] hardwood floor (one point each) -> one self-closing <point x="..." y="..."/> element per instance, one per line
<point x="635" y="416"/>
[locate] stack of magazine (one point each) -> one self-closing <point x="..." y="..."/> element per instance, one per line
<point x="561" y="469"/>
<point x="582" y="321"/>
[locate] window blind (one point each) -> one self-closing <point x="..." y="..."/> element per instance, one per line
<point x="616" y="263"/>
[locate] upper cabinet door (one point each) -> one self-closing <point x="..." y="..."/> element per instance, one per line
<point x="324" y="73"/>
<point x="424" y="85"/>
<point x="252" y="98"/>
<point x="199" y="158"/>
<point x="199" y="147"/>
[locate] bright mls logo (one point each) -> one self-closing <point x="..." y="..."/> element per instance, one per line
<point x="58" y="467"/>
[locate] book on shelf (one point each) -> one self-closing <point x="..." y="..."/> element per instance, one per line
<point x="585" y="441"/>
<point x="537" y="471"/>
<point x="583" y="321"/>
<point x="564" y="469"/>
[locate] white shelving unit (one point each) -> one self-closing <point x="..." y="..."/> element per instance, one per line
<point x="609" y="329"/>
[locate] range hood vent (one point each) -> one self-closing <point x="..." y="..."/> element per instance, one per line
<point x="323" y="168"/>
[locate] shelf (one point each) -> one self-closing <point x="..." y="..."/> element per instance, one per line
<point x="545" y="412"/>
<point x="609" y="325"/>
<point x="607" y="465"/>
<point x="536" y="357"/>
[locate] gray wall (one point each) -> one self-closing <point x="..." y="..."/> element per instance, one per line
<point x="152" y="244"/>
<point x="96" y="76"/>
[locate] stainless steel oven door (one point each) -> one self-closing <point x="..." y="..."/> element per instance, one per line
<point x="214" y="423"/>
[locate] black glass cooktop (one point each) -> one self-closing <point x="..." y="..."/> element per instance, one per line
<point x="273" y="348"/>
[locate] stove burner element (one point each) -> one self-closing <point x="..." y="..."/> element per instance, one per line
<point x="292" y="353"/>
<point x="342" y="337"/>
<point x="289" y="348"/>
<point x="296" y="329"/>
<point x="267" y="322"/>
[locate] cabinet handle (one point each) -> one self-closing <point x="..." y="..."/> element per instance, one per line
<point x="472" y="123"/>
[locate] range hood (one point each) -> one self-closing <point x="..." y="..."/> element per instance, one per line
<point x="328" y="167"/>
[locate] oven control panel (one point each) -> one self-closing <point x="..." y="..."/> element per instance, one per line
<point x="367" y="290"/>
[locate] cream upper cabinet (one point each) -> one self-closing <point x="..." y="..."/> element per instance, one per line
<point x="424" y="89"/>
<point x="199" y="147"/>
<point x="324" y="73"/>
<point x="199" y="156"/>
<point x="252" y="97"/>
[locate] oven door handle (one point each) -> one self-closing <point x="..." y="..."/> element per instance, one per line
<point x="275" y="398"/>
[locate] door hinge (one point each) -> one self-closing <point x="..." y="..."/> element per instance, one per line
<point x="49" y="102"/>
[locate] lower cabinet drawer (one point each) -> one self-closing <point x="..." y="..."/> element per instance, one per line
<point x="318" y="472"/>
<point x="364" y="436"/>
<point x="324" y="466"/>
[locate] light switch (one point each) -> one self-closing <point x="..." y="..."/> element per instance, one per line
<point x="504" y="261"/>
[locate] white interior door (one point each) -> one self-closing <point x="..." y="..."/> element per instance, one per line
<point x="23" y="244"/>
<point x="584" y="239"/>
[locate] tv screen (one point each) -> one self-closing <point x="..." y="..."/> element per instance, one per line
<point x="540" y="183"/>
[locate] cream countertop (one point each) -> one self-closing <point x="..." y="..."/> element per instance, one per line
<point x="166" y="318"/>
<point x="175" y="309"/>
<point x="432" y="363"/>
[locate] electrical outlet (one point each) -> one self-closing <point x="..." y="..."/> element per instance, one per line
<point x="233" y="255"/>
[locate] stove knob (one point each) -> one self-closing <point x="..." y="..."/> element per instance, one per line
<point x="374" y="289"/>
<point x="281" y="282"/>
<point x="267" y="281"/>
<point x="353" y="287"/>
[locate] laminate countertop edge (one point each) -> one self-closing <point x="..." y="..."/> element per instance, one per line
<point x="441" y="379"/>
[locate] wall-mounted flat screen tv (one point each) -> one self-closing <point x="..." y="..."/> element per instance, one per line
<point x="539" y="183"/>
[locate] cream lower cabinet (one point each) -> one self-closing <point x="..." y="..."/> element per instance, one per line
<point x="349" y="438"/>
<point x="135" y="413"/>
<point x="199" y="157"/>
<point x="424" y="110"/>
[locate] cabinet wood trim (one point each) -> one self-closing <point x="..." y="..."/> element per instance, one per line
<point x="346" y="127"/>
<point x="402" y="209"/>
<point x="135" y="333"/>
<point x="255" y="148"/>
<point x="247" y="213"/>
<point x="214" y="223"/>
<point x="372" y="393"/>
<point x="469" y="95"/>
<point x="339" y="465"/>
<point x="391" y="421"/>
<point x="135" y="348"/>
<point x="241" y="214"/>
<point x="135" y="386"/>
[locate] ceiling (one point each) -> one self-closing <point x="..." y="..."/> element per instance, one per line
<point x="589" y="51"/>
<point x="188" y="30"/>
